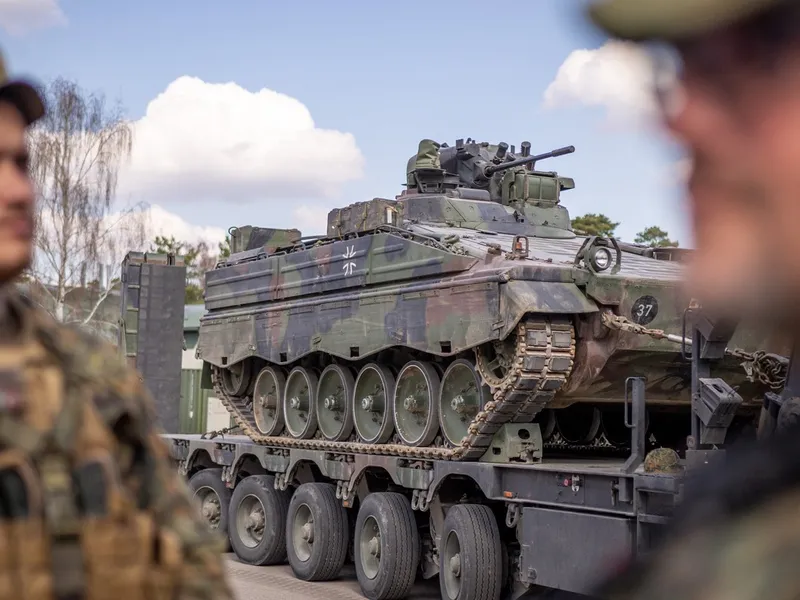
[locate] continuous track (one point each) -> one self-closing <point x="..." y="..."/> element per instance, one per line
<point x="541" y="364"/>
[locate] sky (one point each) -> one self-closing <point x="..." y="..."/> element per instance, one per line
<point x="271" y="114"/>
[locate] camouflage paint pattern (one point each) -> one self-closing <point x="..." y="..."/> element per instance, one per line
<point x="80" y="436"/>
<point x="267" y="240"/>
<point x="438" y="271"/>
<point x="378" y="291"/>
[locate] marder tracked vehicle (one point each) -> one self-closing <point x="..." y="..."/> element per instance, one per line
<point x="408" y="383"/>
<point x="463" y="320"/>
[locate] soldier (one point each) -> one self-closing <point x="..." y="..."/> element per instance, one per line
<point x="728" y="83"/>
<point x="90" y="506"/>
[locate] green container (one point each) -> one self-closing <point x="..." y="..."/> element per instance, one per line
<point x="194" y="402"/>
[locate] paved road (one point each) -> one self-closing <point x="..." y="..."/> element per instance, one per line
<point x="278" y="583"/>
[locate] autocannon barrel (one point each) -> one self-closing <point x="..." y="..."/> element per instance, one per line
<point x="492" y="169"/>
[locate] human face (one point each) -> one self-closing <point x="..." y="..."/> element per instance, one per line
<point x="16" y="195"/>
<point x="737" y="111"/>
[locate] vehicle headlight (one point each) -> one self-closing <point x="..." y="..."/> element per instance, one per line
<point x="600" y="259"/>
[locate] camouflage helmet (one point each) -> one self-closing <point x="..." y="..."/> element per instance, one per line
<point x="21" y="95"/>
<point x="671" y="20"/>
<point x="662" y="460"/>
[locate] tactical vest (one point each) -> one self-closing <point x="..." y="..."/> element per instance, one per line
<point x="69" y="529"/>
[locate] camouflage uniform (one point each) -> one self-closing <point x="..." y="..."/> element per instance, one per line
<point x="90" y="506"/>
<point x="737" y="535"/>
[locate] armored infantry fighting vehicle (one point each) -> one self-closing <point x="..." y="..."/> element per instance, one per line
<point x="451" y="318"/>
<point x="407" y="386"/>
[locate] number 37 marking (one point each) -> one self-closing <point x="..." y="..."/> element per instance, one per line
<point x="644" y="310"/>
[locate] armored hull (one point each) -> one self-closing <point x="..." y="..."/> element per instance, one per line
<point x="446" y="323"/>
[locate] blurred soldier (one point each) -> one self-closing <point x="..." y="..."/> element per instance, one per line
<point x="727" y="75"/>
<point x="734" y="103"/>
<point x="90" y="507"/>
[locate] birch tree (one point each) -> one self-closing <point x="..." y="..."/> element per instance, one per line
<point x="197" y="258"/>
<point x="76" y="152"/>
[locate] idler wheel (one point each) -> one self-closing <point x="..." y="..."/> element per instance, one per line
<point x="334" y="395"/>
<point x="371" y="404"/>
<point x="416" y="403"/>
<point x="236" y="379"/>
<point x="463" y="395"/>
<point x="268" y="400"/>
<point x="298" y="403"/>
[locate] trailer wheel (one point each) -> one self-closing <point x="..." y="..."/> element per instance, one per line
<point x="317" y="532"/>
<point x="257" y="513"/>
<point x="212" y="497"/>
<point x="470" y="556"/>
<point x="387" y="546"/>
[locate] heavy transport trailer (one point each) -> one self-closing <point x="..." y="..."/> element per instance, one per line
<point x="487" y="529"/>
<point x="515" y="518"/>
<point x="509" y="517"/>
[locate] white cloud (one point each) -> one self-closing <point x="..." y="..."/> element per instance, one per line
<point x="18" y="17"/>
<point x="310" y="220"/>
<point x="223" y="143"/>
<point x="162" y="222"/>
<point x="119" y="233"/>
<point x="617" y="76"/>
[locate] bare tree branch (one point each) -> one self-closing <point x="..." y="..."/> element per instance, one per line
<point x="76" y="150"/>
<point x="97" y="304"/>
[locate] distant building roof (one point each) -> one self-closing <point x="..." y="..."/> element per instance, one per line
<point x="191" y="316"/>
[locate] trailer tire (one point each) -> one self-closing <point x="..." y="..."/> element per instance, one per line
<point x="470" y="554"/>
<point x="317" y="532"/>
<point x="257" y="505"/>
<point x="386" y="524"/>
<point x="210" y="480"/>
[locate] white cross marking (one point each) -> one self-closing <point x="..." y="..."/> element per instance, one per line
<point x="349" y="265"/>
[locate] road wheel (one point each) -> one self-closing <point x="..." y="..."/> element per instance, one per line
<point x="317" y="532"/>
<point x="299" y="413"/>
<point x="470" y="556"/>
<point x="462" y="396"/>
<point x="372" y="411"/>
<point x="212" y="498"/>
<point x="387" y="546"/>
<point x="257" y="514"/>
<point x="268" y="400"/>
<point x="415" y="403"/>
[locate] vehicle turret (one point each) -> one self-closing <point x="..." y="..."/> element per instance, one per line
<point x="470" y="172"/>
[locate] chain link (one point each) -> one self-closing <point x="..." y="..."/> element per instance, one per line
<point x="210" y="435"/>
<point x="759" y="366"/>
